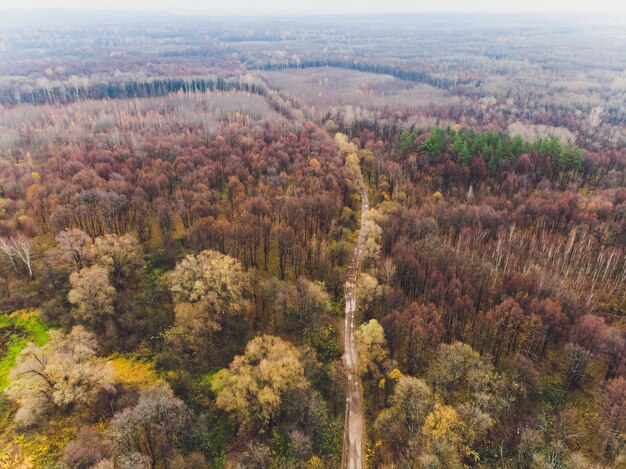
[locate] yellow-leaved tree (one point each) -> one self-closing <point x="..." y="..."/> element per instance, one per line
<point x="254" y="387"/>
<point x="371" y="345"/>
<point x="209" y="293"/>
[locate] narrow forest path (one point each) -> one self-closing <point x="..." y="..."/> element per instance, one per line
<point x="353" y="454"/>
<point x="354" y="433"/>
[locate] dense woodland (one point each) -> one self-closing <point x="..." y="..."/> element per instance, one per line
<point x="178" y="210"/>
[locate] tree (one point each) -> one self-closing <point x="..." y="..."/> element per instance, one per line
<point x="285" y="240"/>
<point x="121" y="256"/>
<point x="615" y="413"/>
<point x="511" y="328"/>
<point x="413" y="333"/>
<point x="594" y="117"/>
<point x="211" y="278"/>
<point x="61" y="374"/>
<point x="411" y="402"/>
<point x="577" y="359"/>
<point x="18" y="250"/>
<point x="92" y="295"/>
<point x="368" y="291"/>
<point x="209" y="295"/>
<point x="312" y="300"/>
<point x="257" y="456"/>
<point x="158" y="427"/>
<point x="590" y="332"/>
<point x="399" y="426"/>
<point x="24" y="251"/>
<point x="86" y="450"/>
<point x="443" y="433"/>
<point x="459" y="373"/>
<point x="256" y="383"/>
<point x="615" y="347"/>
<point x="371" y="345"/>
<point x="74" y="247"/>
<point x="6" y="247"/>
<point x="372" y="234"/>
<point x="441" y="418"/>
<point x="435" y="143"/>
<point x="554" y="322"/>
<point x="387" y="271"/>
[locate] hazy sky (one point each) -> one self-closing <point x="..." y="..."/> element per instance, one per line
<point x="278" y="7"/>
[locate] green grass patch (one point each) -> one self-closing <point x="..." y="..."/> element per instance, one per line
<point x="16" y="331"/>
<point x="554" y="391"/>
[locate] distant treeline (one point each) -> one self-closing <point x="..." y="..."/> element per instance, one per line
<point x="403" y="74"/>
<point x="67" y="92"/>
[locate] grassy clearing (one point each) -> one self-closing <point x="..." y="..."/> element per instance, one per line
<point x="16" y="330"/>
<point x="133" y="372"/>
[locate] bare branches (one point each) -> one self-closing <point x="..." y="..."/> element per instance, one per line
<point x="594" y="117"/>
<point x="23" y="249"/>
<point x="7" y="249"/>
<point x="18" y="251"/>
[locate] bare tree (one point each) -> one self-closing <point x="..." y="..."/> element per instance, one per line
<point x="92" y="295"/>
<point x="7" y="249"/>
<point x="156" y="428"/>
<point x="18" y="249"/>
<point x="62" y="374"/>
<point x="595" y="117"/>
<point x="75" y="248"/>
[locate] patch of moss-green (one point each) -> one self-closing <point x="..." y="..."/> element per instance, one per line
<point x="554" y="391"/>
<point x="16" y="331"/>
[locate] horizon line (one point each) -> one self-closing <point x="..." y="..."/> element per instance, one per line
<point x="207" y="13"/>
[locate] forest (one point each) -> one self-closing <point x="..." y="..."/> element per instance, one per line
<point x="198" y="216"/>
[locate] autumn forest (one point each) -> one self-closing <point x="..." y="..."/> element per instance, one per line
<point x="394" y="242"/>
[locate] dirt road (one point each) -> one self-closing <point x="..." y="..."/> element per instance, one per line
<point x="354" y="433"/>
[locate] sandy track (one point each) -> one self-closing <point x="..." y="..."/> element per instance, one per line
<point x="354" y="434"/>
